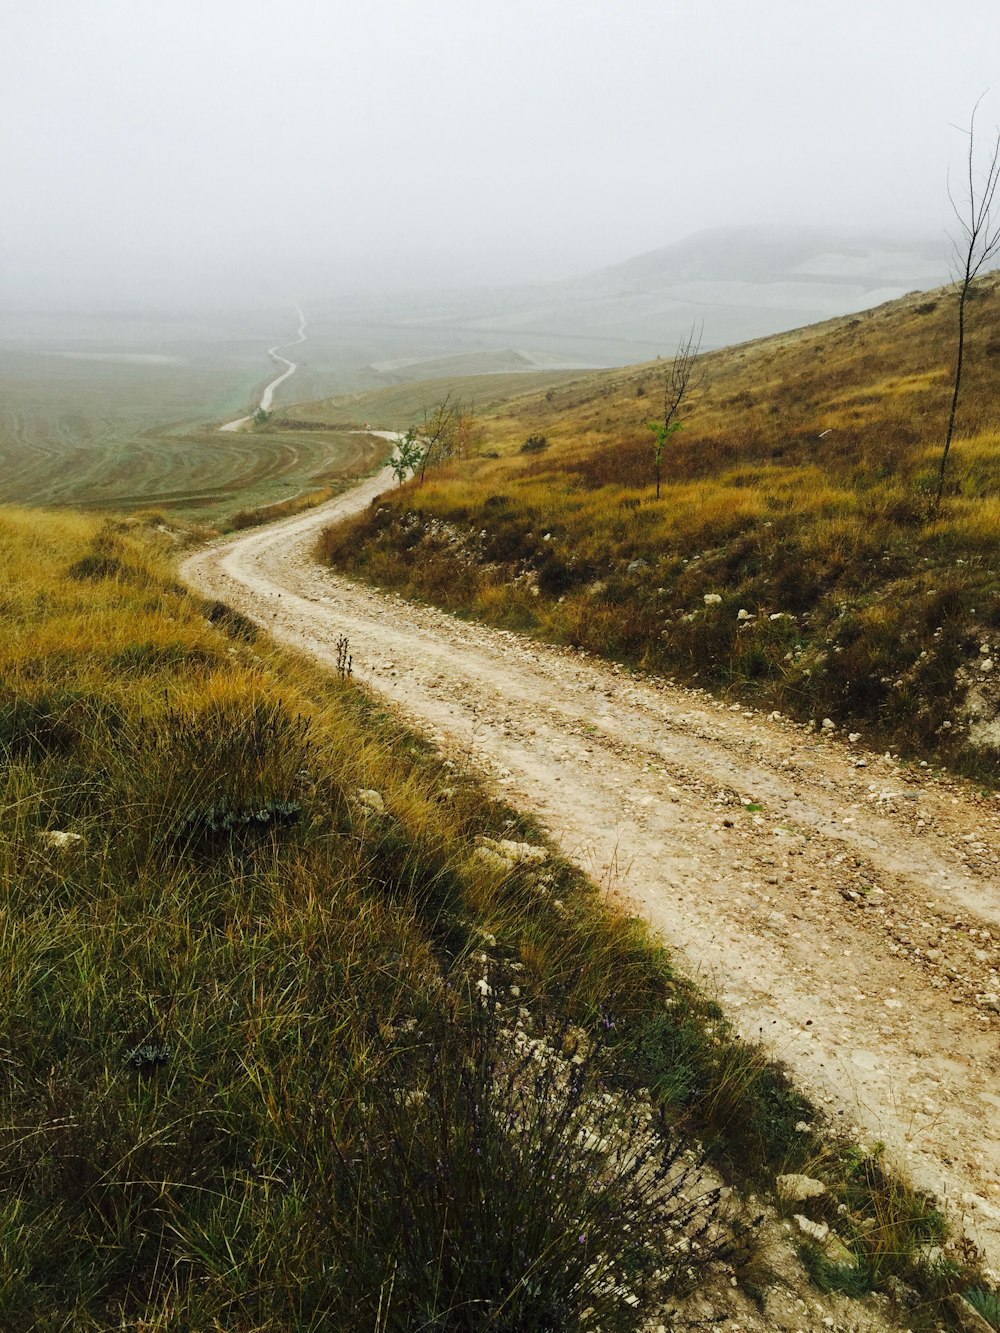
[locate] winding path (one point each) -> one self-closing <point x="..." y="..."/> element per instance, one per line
<point x="843" y="907"/>
<point x="267" y="397"/>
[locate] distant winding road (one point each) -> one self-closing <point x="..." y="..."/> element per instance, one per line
<point x="267" y="397"/>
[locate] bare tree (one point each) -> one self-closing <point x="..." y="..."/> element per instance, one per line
<point x="681" y="379"/>
<point x="977" y="243"/>
<point x="448" y="431"/>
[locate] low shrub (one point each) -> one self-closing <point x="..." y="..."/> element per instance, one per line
<point x="487" y="1182"/>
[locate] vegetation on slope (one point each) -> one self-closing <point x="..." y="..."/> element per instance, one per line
<point x="797" y="499"/>
<point x="282" y="1021"/>
<point x="294" y="1012"/>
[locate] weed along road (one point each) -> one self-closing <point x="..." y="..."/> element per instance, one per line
<point x="842" y="906"/>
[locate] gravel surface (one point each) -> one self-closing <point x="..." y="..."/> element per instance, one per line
<point x="842" y="906"/>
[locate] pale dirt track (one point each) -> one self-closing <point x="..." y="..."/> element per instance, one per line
<point x="853" y="920"/>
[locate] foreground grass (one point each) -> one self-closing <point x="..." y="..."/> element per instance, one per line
<point x="286" y="1044"/>
<point x="797" y="498"/>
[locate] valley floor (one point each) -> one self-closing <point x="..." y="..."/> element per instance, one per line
<point x="844" y="906"/>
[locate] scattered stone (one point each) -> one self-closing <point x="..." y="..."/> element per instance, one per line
<point x="967" y="1320"/>
<point x="817" y="1231"/>
<point x="829" y="724"/>
<point x="371" y="800"/>
<point x="506" y="854"/>
<point x="902" y="1293"/>
<point x="986" y="665"/>
<point x="62" y="841"/>
<point x="797" y="1188"/>
<point x="710" y="599"/>
<point x="635" y="565"/>
<point x="854" y="737"/>
<point x="743" y="614"/>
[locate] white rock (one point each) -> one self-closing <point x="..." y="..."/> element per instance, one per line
<point x="371" y="800"/>
<point x="829" y="724"/>
<point x="743" y="614"/>
<point x="61" y="841"/>
<point x="712" y="599"/>
<point x="796" y="1188"/>
<point x="506" y="854"/>
<point x="986" y="665"/>
<point x="815" y="1230"/>
<point x="854" y="736"/>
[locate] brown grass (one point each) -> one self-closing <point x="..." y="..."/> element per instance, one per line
<point x="800" y="484"/>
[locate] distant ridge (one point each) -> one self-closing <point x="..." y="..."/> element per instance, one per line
<point x="738" y="282"/>
<point x="773" y="254"/>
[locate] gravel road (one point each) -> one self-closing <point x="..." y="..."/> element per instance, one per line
<point x="842" y="906"/>
<point x="267" y="397"/>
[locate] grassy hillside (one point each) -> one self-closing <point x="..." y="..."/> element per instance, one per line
<point x="294" y="1010"/>
<point x="797" y="499"/>
<point x="240" y="911"/>
<point x="387" y="407"/>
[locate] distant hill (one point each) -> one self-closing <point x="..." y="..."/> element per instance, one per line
<point x="737" y="282"/>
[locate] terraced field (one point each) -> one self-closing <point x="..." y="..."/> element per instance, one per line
<point x="125" y="413"/>
<point x="90" y="428"/>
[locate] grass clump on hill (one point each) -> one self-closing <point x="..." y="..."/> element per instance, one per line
<point x="800" y="492"/>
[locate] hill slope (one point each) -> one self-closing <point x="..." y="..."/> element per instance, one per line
<point x="294" y="1008"/>
<point x="796" y="498"/>
<point x="735" y="282"/>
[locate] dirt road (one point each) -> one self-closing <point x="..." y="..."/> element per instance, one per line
<point x="267" y="397"/>
<point x="843" y="906"/>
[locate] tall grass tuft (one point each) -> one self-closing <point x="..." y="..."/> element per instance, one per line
<point x="488" y="1181"/>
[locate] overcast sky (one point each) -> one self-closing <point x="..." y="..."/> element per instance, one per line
<point x="155" y="147"/>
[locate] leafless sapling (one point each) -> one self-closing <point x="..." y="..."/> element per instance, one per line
<point x="975" y="245"/>
<point x="439" y="432"/>
<point x="681" y="379"/>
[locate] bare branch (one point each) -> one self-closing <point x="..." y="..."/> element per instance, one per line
<point x="681" y="380"/>
<point x="980" y="231"/>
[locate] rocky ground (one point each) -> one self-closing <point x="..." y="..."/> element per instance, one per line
<point x="841" y="904"/>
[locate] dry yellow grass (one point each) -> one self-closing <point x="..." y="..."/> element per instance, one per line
<point x="800" y="483"/>
<point x="215" y="954"/>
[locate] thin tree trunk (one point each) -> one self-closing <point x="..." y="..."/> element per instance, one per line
<point x="954" y="397"/>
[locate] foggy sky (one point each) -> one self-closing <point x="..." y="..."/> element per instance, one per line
<point x="157" y="151"/>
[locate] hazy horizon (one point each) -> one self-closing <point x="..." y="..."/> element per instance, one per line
<point x="234" y="153"/>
